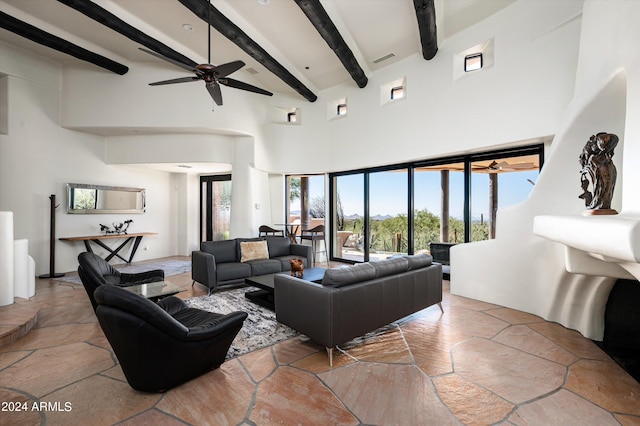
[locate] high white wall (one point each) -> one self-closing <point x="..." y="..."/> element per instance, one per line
<point x="521" y="97"/>
<point x="38" y="158"/>
<point x="525" y="272"/>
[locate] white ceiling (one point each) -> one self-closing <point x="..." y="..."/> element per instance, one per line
<point x="371" y="28"/>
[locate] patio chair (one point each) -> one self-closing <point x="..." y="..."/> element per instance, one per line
<point x="265" y="230"/>
<point x="315" y="235"/>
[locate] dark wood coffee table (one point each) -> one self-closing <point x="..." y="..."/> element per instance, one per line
<point x="264" y="296"/>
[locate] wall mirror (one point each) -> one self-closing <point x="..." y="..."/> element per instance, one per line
<point x="87" y="199"/>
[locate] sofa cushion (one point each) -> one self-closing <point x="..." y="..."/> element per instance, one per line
<point x="418" y="261"/>
<point x="264" y="266"/>
<point x="232" y="271"/>
<point x="224" y="251"/>
<point x="240" y="241"/>
<point x="252" y="250"/>
<point x="346" y="275"/>
<point x="278" y="246"/>
<point x="394" y="265"/>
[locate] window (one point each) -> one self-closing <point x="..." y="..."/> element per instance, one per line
<point x="390" y="210"/>
<point x="473" y="62"/>
<point x="397" y="92"/>
<point x="341" y="109"/>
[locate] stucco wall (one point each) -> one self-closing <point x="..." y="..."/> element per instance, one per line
<point x="526" y="272"/>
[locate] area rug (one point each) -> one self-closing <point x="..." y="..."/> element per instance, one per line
<point x="169" y="266"/>
<point x="259" y="329"/>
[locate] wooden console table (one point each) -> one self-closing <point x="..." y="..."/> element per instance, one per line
<point x="97" y="239"/>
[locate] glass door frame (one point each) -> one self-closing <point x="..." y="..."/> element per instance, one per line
<point x="467" y="160"/>
<point x="206" y="211"/>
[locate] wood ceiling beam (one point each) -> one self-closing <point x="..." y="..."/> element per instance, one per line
<point x="231" y="31"/>
<point x="426" y="14"/>
<point x="110" y="20"/>
<point x="44" y="38"/>
<point x="327" y="29"/>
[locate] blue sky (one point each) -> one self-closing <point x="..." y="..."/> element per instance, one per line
<point x="389" y="189"/>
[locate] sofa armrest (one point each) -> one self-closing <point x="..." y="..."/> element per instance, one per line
<point x="302" y="251"/>
<point x="306" y="307"/>
<point x="203" y="268"/>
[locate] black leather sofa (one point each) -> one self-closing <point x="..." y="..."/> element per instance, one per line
<point x="354" y="300"/>
<point x="219" y="263"/>
<point x="161" y="345"/>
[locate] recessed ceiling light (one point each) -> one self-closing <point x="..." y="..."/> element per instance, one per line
<point x="263" y="2"/>
<point x="184" y="166"/>
<point x="188" y="27"/>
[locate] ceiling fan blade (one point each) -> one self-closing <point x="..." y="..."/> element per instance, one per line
<point x="243" y="86"/>
<point x="172" y="61"/>
<point x="175" y="80"/>
<point x="215" y="92"/>
<point x="228" y="68"/>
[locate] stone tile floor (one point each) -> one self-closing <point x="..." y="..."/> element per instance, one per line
<point x="476" y="364"/>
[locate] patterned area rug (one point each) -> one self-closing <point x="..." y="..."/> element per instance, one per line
<point x="259" y="329"/>
<point x="170" y="267"/>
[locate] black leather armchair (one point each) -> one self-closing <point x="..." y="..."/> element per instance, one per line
<point x="161" y="345"/>
<point x="94" y="271"/>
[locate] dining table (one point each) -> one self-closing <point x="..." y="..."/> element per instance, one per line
<point x="291" y="230"/>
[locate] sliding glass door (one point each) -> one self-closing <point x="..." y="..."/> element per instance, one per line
<point x="429" y="205"/>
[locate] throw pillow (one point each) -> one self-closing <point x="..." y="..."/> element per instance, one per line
<point x="253" y="250"/>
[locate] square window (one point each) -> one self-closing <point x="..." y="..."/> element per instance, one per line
<point x="473" y="62"/>
<point x="397" y="92"/>
<point x="342" y="109"/>
<point x="291" y="117"/>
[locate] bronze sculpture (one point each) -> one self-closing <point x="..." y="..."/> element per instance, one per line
<point x="598" y="173"/>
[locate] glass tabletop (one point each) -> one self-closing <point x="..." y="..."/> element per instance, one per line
<point x="155" y="289"/>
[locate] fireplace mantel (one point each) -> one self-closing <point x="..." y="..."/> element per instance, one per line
<point x="607" y="246"/>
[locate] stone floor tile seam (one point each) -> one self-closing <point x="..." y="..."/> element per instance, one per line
<point x="568" y="349"/>
<point x="326" y="385"/>
<point x="31" y="352"/>
<point x="598" y="405"/>
<point x="534" y="354"/>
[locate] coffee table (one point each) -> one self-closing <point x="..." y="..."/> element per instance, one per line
<point x="155" y="290"/>
<point x="264" y="296"/>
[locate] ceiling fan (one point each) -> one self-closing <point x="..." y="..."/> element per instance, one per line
<point x="504" y="166"/>
<point x="212" y="75"/>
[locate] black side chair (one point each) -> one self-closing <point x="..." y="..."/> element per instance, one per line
<point x="94" y="272"/>
<point x="161" y="345"/>
<point x="265" y="230"/>
<point x="314" y="235"/>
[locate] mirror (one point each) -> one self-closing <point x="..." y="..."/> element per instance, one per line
<point x="84" y="199"/>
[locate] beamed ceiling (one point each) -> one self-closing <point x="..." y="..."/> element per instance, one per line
<point x="296" y="47"/>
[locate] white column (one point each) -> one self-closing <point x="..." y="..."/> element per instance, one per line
<point x="6" y="258"/>
<point x="21" y="268"/>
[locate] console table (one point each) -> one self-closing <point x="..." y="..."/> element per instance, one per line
<point x="97" y="239"/>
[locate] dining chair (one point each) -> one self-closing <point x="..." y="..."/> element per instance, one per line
<point x="265" y="230"/>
